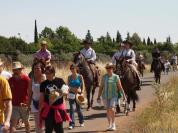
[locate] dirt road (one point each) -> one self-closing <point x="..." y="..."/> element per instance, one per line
<point x="95" y="119"/>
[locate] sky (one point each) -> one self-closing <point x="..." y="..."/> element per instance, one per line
<point x="154" y="18"/>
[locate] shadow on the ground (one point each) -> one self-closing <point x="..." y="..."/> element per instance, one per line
<point x="94" y="116"/>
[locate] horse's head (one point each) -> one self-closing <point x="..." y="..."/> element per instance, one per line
<point x="78" y="58"/>
<point x="121" y="65"/>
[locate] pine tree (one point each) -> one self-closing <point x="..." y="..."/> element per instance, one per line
<point x="118" y="37"/>
<point x="144" y="42"/>
<point x="168" y="40"/>
<point x="155" y="42"/>
<point x="148" y="41"/>
<point x="35" y="34"/>
<point x="128" y="36"/>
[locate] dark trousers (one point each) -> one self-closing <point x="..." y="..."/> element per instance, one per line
<point x="51" y="125"/>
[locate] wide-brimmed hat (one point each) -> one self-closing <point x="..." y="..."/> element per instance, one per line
<point x="17" y="65"/>
<point x="128" y="42"/>
<point x="1" y="62"/>
<point x="110" y="65"/>
<point x="80" y="99"/>
<point x="44" y="43"/>
<point x="87" y="41"/>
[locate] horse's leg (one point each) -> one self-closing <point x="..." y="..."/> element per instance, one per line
<point x="88" y="89"/>
<point x="134" y="105"/>
<point x="128" y="102"/>
<point x="93" y="92"/>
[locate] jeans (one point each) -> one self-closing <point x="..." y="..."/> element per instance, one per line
<point x="72" y="116"/>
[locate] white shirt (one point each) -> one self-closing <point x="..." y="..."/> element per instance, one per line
<point x="167" y="64"/>
<point x="89" y="54"/>
<point x="130" y="53"/>
<point x="6" y="74"/>
<point x="117" y="55"/>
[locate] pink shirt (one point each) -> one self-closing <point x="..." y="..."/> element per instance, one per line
<point x="40" y="54"/>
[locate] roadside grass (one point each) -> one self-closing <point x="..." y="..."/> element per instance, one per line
<point x="161" y="116"/>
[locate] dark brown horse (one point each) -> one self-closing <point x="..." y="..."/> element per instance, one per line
<point x="87" y="74"/>
<point x="141" y="66"/>
<point x="128" y="80"/>
<point x="157" y="68"/>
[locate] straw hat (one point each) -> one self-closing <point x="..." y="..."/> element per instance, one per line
<point x="1" y="62"/>
<point x="17" y="65"/>
<point x="128" y="42"/>
<point x="80" y="99"/>
<point x="44" y="43"/>
<point x="110" y="65"/>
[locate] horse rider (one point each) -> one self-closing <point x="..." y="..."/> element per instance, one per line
<point x="118" y="54"/>
<point x="43" y="54"/>
<point x="140" y="58"/>
<point x="130" y="56"/>
<point x="156" y="56"/>
<point x="174" y="59"/>
<point x="90" y="56"/>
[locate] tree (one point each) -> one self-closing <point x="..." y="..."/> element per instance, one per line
<point x="148" y="41"/>
<point x="118" y="37"/>
<point x="135" y="39"/>
<point x="144" y="42"/>
<point x="155" y="42"/>
<point x="35" y="34"/>
<point x="89" y="36"/>
<point x="47" y="33"/>
<point x="108" y="38"/>
<point x="168" y="40"/>
<point x="128" y="36"/>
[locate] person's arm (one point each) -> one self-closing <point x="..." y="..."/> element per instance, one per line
<point x="120" y="88"/>
<point x="29" y="94"/>
<point x="93" y="56"/>
<point x="82" y="86"/>
<point x="7" y="112"/>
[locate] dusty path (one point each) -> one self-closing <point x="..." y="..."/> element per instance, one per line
<point x="95" y="119"/>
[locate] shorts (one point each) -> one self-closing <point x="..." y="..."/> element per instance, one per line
<point x="110" y="103"/>
<point x="20" y="112"/>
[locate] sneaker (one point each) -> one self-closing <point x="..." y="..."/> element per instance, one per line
<point x="113" y="128"/>
<point x="82" y="125"/>
<point x="70" y="127"/>
<point x="109" y="127"/>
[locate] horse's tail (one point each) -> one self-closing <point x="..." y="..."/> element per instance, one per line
<point x="133" y="95"/>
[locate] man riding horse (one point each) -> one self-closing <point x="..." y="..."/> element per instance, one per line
<point x="156" y="57"/>
<point x="127" y="53"/>
<point x="90" y="56"/>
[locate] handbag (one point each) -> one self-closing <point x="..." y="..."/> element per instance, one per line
<point x="35" y="103"/>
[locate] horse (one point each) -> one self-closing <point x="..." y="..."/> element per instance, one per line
<point x="141" y="66"/>
<point x="129" y="82"/>
<point x="157" y="68"/>
<point x="89" y="80"/>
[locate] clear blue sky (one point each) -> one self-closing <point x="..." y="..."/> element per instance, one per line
<point x="154" y="18"/>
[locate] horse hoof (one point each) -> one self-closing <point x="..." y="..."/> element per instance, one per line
<point x="133" y="109"/>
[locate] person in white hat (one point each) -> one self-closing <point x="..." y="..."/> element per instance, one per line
<point x="19" y="84"/>
<point x="110" y="86"/>
<point x="4" y="73"/>
<point x="43" y="54"/>
<point x="118" y="54"/>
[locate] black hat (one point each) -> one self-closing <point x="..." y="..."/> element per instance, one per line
<point x="87" y="41"/>
<point x="128" y="42"/>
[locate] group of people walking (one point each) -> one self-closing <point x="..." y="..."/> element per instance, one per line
<point x="41" y="92"/>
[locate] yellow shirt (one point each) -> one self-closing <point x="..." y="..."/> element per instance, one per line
<point x="5" y="93"/>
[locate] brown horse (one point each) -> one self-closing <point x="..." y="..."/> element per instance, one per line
<point x="87" y="74"/>
<point x="128" y="81"/>
<point x="141" y="66"/>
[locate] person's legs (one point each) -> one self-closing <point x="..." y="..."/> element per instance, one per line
<point x="72" y="116"/>
<point x="80" y="115"/>
<point x="24" y="113"/>
<point x="49" y="123"/>
<point x="36" y="118"/>
<point x="14" y="118"/>
<point x="112" y="112"/>
<point x="58" y="128"/>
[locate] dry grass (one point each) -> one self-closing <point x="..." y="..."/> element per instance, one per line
<point x="162" y="116"/>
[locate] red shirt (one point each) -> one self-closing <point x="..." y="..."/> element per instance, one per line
<point x="19" y="89"/>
